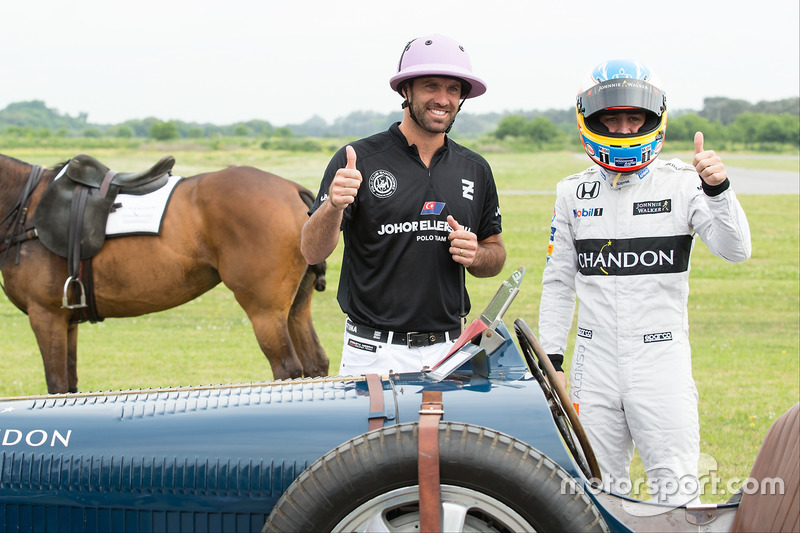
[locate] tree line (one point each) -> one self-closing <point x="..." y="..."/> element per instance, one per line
<point x="35" y="119"/>
<point x="723" y="120"/>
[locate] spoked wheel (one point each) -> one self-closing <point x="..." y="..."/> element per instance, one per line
<point x="489" y="482"/>
<point x="561" y="407"/>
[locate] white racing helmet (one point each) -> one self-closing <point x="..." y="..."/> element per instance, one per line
<point x="614" y="87"/>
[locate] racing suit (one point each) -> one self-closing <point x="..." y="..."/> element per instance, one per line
<point x="623" y="248"/>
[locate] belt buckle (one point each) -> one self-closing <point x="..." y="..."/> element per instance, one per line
<point x="418" y="339"/>
<point x="410" y="338"/>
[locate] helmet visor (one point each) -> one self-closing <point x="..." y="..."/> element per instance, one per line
<point x="622" y="93"/>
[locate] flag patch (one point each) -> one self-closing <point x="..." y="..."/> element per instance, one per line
<point x="432" y="208"/>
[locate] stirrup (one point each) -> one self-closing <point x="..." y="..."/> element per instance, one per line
<point x="65" y="299"/>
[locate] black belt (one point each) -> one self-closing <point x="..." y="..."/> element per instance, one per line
<point x="412" y="339"/>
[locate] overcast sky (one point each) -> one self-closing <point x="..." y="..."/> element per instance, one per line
<point x="286" y="61"/>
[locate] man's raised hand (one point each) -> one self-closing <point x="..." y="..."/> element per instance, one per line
<point x="463" y="243"/>
<point x="707" y="163"/>
<point x="346" y="182"/>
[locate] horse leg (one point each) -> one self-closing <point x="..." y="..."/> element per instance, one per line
<point x="51" y="331"/>
<point x="72" y="357"/>
<point x="301" y="328"/>
<point x="267" y="299"/>
<point x="273" y="337"/>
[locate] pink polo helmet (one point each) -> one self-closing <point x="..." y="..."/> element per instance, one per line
<point x="437" y="55"/>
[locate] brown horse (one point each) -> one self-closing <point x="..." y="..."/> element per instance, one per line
<point x="240" y="226"/>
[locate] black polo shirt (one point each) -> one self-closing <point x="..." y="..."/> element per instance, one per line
<point x="397" y="272"/>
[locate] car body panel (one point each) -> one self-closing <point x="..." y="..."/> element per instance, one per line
<point x="219" y="457"/>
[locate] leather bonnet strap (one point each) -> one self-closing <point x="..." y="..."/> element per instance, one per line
<point x="430" y="507"/>
<point x="377" y="411"/>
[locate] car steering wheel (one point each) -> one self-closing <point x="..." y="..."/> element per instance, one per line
<point x="563" y="412"/>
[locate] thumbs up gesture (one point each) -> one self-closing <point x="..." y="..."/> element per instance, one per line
<point x="707" y="163"/>
<point x="345" y="184"/>
<point x="463" y="243"/>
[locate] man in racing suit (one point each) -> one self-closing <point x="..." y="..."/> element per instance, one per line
<point x="414" y="209"/>
<point x="620" y="240"/>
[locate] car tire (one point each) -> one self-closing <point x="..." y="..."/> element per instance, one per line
<point x="489" y="482"/>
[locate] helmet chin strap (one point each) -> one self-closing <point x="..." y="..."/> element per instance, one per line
<point x="407" y="104"/>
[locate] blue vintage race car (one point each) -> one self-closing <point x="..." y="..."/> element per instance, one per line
<point x="326" y="454"/>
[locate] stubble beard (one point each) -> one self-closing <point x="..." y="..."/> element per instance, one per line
<point x="429" y="125"/>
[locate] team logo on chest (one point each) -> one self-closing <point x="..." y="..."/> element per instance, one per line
<point x="382" y="183"/>
<point x="588" y="190"/>
<point x="467" y="189"/>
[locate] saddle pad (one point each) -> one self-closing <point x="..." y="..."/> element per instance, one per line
<point x="140" y="215"/>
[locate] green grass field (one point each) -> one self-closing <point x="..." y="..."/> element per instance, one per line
<point x="744" y="318"/>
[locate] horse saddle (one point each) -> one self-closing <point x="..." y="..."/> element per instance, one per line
<point x="72" y="214"/>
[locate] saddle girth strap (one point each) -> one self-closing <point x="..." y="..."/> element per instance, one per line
<point x="89" y="312"/>
<point x="430" y="501"/>
<point x="81" y="269"/>
<point x="76" y="210"/>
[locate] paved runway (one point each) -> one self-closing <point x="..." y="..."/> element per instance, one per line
<point x="750" y="181"/>
<point x="743" y="180"/>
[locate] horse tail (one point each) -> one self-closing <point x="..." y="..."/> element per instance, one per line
<point x="319" y="271"/>
<point x="320" y="268"/>
<point x="306" y="195"/>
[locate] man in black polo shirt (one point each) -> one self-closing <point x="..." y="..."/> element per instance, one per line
<point x="415" y="209"/>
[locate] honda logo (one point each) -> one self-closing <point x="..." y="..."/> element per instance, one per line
<point x="587" y="191"/>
